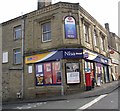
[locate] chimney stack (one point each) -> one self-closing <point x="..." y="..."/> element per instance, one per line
<point x="107" y="27"/>
<point x="43" y="3"/>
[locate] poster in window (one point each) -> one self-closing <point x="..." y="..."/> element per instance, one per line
<point x="29" y="69"/>
<point x="5" y="57"/>
<point x="39" y="68"/>
<point x="48" y="73"/>
<point x="73" y="73"/>
<point x="39" y="74"/>
<point x="56" y="73"/>
<point x="39" y="79"/>
<point x="70" y="28"/>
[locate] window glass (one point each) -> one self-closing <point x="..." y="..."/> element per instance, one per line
<point x="72" y="73"/>
<point x="102" y="39"/>
<point x="95" y="38"/>
<point x="48" y="73"/>
<point x="17" y="32"/>
<point x="86" y="32"/>
<point x="46" y="32"/>
<point x="17" y="56"/>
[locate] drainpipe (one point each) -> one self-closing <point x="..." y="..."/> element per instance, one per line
<point x="62" y="78"/>
<point x="22" y="75"/>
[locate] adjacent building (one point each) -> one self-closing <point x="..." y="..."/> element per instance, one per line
<point x="54" y="50"/>
<point x="114" y="53"/>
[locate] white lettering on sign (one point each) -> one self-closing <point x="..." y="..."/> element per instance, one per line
<point x="69" y="53"/>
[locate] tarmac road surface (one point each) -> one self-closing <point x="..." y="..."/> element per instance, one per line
<point x="106" y="101"/>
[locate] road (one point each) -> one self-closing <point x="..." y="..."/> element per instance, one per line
<point x="106" y="101"/>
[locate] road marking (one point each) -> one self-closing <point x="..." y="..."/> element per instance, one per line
<point x="92" y="102"/>
<point x="30" y="105"/>
<point x="19" y="108"/>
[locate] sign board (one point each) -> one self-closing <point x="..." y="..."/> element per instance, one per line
<point x="73" y="53"/>
<point x="70" y="28"/>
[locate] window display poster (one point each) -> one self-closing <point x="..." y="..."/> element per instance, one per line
<point x="48" y="73"/>
<point x="39" y="79"/>
<point x="73" y="74"/>
<point x="39" y="74"/>
<point x="56" y="72"/>
<point x="87" y="66"/>
<point x="29" y="69"/>
<point x="39" y="68"/>
<point x="73" y="77"/>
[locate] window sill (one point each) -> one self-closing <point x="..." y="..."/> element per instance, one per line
<point x="46" y="41"/>
<point x="87" y="42"/>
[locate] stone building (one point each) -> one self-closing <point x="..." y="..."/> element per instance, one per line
<point x="114" y="53"/>
<point x="54" y="50"/>
<point x="1" y="65"/>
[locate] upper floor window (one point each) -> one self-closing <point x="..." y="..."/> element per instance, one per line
<point x="17" y="32"/>
<point x="46" y="32"/>
<point x="116" y="70"/>
<point x="102" y="40"/>
<point x="86" y="32"/>
<point x="95" y="39"/>
<point x="117" y="47"/>
<point x="17" y="56"/>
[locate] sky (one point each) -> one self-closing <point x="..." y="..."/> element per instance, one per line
<point x="104" y="11"/>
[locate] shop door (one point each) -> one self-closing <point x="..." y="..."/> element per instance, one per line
<point x="106" y="74"/>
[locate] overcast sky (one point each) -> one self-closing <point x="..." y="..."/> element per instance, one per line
<point x="104" y="11"/>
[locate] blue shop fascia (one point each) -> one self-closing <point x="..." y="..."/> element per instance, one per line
<point x="74" y="61"/>
<point x="93" y="63"/>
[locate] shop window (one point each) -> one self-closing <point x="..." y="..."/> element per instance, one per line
<point x="17" y="32"/>
<point x="48" y="73"/>
<point x="17" y="56"/>
<point x="46" y="32"/>
<point x="87" y="66"/>
<point x="72" y="73"/>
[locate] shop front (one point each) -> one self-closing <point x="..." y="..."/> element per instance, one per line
<point x="96" y="66"/>
<point x="57" y="71"/>
<point x="66" y="70"/>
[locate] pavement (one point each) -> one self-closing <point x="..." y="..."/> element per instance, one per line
<point x="103" y="89"/>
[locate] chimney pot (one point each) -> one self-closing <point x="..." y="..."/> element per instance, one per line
<point x="107" y="26"/>
<point x="43" y="3"/>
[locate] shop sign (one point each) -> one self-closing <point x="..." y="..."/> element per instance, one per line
<point x="76" y="53"/>
<point x="104" y="61"/>
<point x="44" y="57"/>
<point x="89" y="55"/>
<point x="94" y="57"/>
<point x="115" y="61"/>
<point x="70" y="28"/>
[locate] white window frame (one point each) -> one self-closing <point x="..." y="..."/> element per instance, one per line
<point x="14" y="56"/>
<point x="46" y="32"/>
<point x="17" y="29"/>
